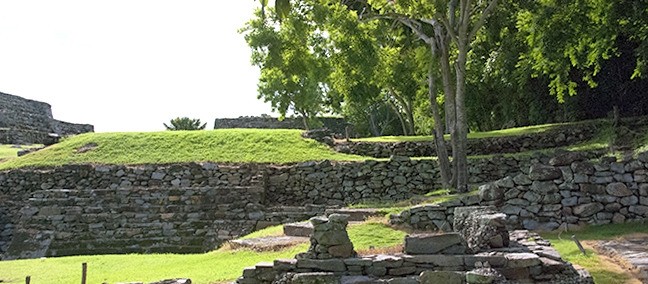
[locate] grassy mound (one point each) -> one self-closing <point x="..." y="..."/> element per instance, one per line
<point x="222" y="145"/>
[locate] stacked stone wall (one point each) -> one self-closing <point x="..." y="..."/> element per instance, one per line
<point x="24" y="121"/>
<point x="559" y="137"/>
<point x="567" y="192"/>
<point x="219" y="202"/>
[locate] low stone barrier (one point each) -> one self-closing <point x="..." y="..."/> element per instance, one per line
<point x="568" y="191"/>
<point x="559" y="137"/>
<point x="442" y="258"/>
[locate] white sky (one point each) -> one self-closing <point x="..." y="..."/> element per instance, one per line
<point x="130" y="65"/>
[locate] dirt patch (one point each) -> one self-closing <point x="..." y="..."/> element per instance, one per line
<point x="86" y="148"/>
<point x="274" y="243"/>
<point x="629" y="252"/>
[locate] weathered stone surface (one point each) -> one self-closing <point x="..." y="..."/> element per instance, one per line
<point x="491" y="192"/>
<point x="446" y="277"/>
<point x="544" y="187"/>
<point x="437" y="259"/>
<point x="322" y="264"/>
<point x="432" y="244"/>
<point x="390" y="261"/>
<point x="588" y="209"/>
<point x="540" y="172"/>
<point x="517" y="260"/>
<point x="315" y="278"/>
<point x="618" y="189"/>
<point x="566" y="159"/>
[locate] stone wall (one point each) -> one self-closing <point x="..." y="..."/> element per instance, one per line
<point x="336" y="124"/>
<point x="559" y="137"/>
<point x="160" y="207"/>
<point x="568" y="191"/>
<point x="24" y="121"/>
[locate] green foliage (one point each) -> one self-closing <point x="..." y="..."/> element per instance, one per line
<point x="563" y="36"/>
<point x="185" y="123"/>
<point x="221" y="145"/>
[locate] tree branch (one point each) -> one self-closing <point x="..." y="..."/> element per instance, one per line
<point x="482" y="18"/>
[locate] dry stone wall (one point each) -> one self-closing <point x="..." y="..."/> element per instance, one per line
<point x="568" y="191"/>
<point x="24" y="121"/>
<point x="194" y="207"/>
<point x="562" y="136"/>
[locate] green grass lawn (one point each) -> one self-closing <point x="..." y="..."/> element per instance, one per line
<point x="222" y="145"/>
<point x="473" y="135"/>
<point x="218" y="266"/>
<point x="11" y="151"/>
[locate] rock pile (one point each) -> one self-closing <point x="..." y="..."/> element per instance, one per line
<point x="329" y="239"/>
<point x="482" y="227"/>
<point x="440" y="258"/>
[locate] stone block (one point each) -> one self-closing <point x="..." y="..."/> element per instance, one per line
<point x="333" y="265"/>
<point x="544" y="187"/>
<point x="376" y="271"/>
<point x="436" y="259"/>
<point x="523" y="259"/>
<point x="390" y="261"/>
<point x="589" y="209"/>
<point x="618" y="189"/>
<point x="315" y="278"/>
<point x="432" y="243"/>
<point x="540" y="172"/>
<point x="400" y="271"/>
<point x="446" y="277"/>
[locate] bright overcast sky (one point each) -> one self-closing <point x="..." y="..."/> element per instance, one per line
<point x="130" y="65"/>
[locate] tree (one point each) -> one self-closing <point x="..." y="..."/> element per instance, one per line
<point x="293" y="75"/>
<point x="448" y="28"/>
<point x="185" y="123"/>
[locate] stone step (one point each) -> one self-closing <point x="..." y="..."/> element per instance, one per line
<point x="268" y="243"/>
<point x="356" y="214"/>
<point x="299" y="229"/>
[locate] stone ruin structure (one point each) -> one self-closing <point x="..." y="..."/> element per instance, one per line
<point x="481" y="250"/>
<point x="24" y="121"/>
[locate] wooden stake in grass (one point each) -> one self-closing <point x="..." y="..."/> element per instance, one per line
<point x="580" y="247"/>
<point x="27" y="279"/>
<point x="84" y="272"/>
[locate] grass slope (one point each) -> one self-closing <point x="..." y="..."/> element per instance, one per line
<point x="473" y="135"/>
<point x="11" y="151"/>
<point x="218" y="266"/>
<point x="222" y="145"/>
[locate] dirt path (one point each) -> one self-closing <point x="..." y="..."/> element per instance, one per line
<point x="629" y="253"/>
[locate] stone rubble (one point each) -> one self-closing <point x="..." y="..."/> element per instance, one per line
<point x="438" y="258"/>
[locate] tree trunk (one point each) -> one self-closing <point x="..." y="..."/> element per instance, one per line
<point x="450" y="104"/>
<point x="399" y="114"/>
<point x="460" y="156"/>
<point x="439" y="141"/>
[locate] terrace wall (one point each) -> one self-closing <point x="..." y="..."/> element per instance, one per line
<point x="196" y="207"/>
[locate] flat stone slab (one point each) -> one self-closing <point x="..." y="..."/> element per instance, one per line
<point x="356" y="214"/>
<point x="268" y="243"/>
<point x="632" y="250"/>
<point x="299" y="229"/>
<point x="448" y="243"/>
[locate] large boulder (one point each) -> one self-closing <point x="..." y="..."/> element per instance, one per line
<point x="542" y="172"/>
<point x="481" y="226"/>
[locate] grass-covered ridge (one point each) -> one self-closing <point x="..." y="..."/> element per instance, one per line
<point x="473" y="135"/>
<point x="221" y="145"/>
